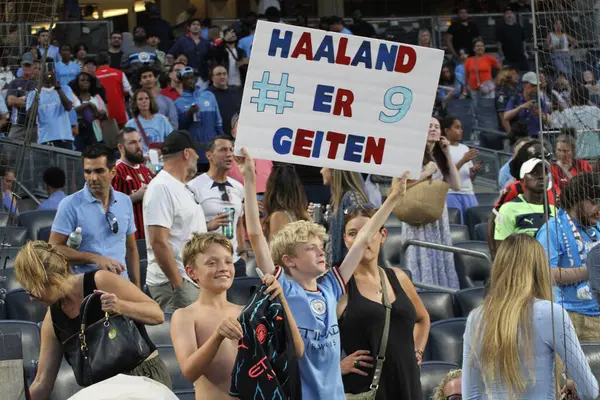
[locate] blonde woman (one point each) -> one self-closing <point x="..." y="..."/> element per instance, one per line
<point x="450" y="388"/>
<point x="347" y="193"/>
<point x="424" y="38"/>
<point x="45" y="275"/>
<point x="512" y="354"/>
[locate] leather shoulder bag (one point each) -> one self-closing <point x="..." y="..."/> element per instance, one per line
<point x="106" y="347"/>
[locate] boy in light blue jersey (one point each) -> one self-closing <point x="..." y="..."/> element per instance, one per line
<point x="66" y="70"/>
<point x="311" y="289"/>
<point x="54" y="117"/>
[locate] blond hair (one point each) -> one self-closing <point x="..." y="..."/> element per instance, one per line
<point x="294" y="233"/>
<point x="519" y="275"/>
<point x="200" y="242"/>
<point x="504" y="76"/>
<point x="39" y="267"/>
<point x="346" y="181"/>
<point x="438" y="393"/>
<point x="420" y="40"/>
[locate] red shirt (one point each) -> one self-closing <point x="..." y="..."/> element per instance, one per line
<point x="485" y="65"/>
<point x="561" y="179"/>
<point x="112" y="80"/>
<point x="170" y="92"/>
<point x="129" y="180"/>
<point x="516" y="188"/>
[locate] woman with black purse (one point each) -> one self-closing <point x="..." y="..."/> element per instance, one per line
<point x="95" y="319"/>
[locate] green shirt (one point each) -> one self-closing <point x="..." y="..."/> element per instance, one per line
<point x="519" y="216"/>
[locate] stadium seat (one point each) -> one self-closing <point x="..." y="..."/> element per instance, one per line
<point x="185" y="394"/>
<point x="492" y="140"/>
<point x="7" y="256"/>
<point x="392" y="221"/>
<point x="161" y="334"/>
<point x="13" y="236"/>
<point x="472" y="271"/>
<point x="20" y="307"/>
<point x="487" y="118"/>
<point x="592" y="356"/>
<point x="142" y="250"/>
<point x="439" y="304"/>
<point x="407" y="272"/>
<point x="477" y="215"/>
<point x="454" y="216"/>
<point x="65" y="385"/>
<point x="8" y="281"/>
<point x="446" y="340"/>
<point x="487" y="199"/>
<point x="26" y="204"/>
<point x="432" y="373"/>
<point x="469" y="299"/>
<point x="391" y="250"/>
<point x="36" y="220"/>
<point x="481" y="232"/>
<point x="4" y="219"/>
<point x="30" y="339"/>
<point x="167" y="353"/>
<point x="459" y="233"/>
<point x="44" y="233"/>
<point x="242" y="289"/>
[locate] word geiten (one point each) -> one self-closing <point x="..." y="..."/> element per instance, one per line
<point x="392" y="57"/>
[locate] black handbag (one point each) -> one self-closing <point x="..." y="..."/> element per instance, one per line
<point x="106" y="347"/>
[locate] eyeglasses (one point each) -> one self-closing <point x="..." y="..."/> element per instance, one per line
<point x="113" y="225"/>
<point x="223" y="189"/>
<point x="454" y="397"/>
<point x="193" y="194"/>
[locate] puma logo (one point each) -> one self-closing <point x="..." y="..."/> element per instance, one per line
<point x="530" y="220"/>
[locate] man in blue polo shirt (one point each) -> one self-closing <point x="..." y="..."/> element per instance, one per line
<point x="526" y="106"/>
<point x="567" y="239"/>
<point x="105" y="217"/>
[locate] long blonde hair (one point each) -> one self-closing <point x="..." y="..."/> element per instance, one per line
<point x="39" y="267"/>
<point x="519" y="275"/>
<point x="346" y="181"/>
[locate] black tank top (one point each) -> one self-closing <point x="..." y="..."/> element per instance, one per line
<point x="65" y="327"/>
<point x="361" y="327"/>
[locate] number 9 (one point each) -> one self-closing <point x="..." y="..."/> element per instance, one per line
<point x="400" y="108"/>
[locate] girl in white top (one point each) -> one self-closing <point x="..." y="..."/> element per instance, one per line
<point x="558" y="43"/>
<point x="462" y="157"/>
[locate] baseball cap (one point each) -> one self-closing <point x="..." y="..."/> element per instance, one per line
<point x="530" y="77"/>
<point x="529" y="165"/>
<point x="27" y="59"/>
<point x="186" y="70"/>
<point x="178" y="141"/>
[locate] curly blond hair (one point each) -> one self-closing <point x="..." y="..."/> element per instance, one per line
<point x="438" y="393"/>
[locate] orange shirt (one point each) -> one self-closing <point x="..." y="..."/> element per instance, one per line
<point x="485" y="65"/>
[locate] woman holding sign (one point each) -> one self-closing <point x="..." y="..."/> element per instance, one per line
<point x="427" y="265"/>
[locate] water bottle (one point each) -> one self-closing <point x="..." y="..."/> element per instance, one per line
<point x="75" y="239"/>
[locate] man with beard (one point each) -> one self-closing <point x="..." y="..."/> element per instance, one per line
<point x="172" y="212"/>
<point x="567" y="239"/>
<point x="132" y="176"/>
<point x="105" y="218"/>
<point x="141" y="53"/>
<point x="527" y="212"/>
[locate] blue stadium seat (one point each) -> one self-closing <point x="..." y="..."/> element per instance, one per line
<point x="8" y="281"/>
<point x="454" y="216"/>
<point x="242" y="289"/>
<point x="391" y="249"/>
<point x="487" y="199"/>
<point x="481" y="232"/>
<point x="7" y="257"/>
<point x="477" y="215"/>
<point x="487" y="115"/>
<point x="65" y="384"/>
<point x="592" y="356"/>
<point x="469" y="299"/>
<point x="4" y="218"/>
<point x="20" y="307"/>
<point x="36" y="220"/>
<point x="161" y="334"/>
<point x="472" y="271"/>
<point x="446" y="340"/>
<point x="142" y="250"/>
<point x="30" y="340"/>
<point x="44" y="233"/>
<point x="13" y="236"/>
<point x="167" y="353"/>
<point x="459" y="233"/>
<point x="432" y="373"/>
<point x="439" y="305"/>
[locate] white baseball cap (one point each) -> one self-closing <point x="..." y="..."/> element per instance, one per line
<point x="530" y="77"/>
<point x="529" y="165"/>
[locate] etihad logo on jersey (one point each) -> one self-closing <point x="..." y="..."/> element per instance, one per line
<point x="260" y="368"/>
<point x="312" y="334"/>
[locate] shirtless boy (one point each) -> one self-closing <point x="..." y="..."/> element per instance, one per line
<point x="311" y="289"/>
<point x="212" y="320"/>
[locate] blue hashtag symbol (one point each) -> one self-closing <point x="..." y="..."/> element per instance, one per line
<point x="280" y="102"/>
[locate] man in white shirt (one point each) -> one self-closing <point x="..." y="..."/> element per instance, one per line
<point x="172" y="212"/>
<point x="221" y="196"/>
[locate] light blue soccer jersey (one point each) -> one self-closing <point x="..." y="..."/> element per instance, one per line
<point x="315" y="315"/>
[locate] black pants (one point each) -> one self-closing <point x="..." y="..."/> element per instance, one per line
<point x="61" y="144"/>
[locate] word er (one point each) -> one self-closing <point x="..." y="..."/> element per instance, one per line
<point x="309" y="144"/>
<point x="343" y="100"/>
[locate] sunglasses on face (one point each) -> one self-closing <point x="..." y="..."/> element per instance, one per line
<point x="113" y="225"/>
